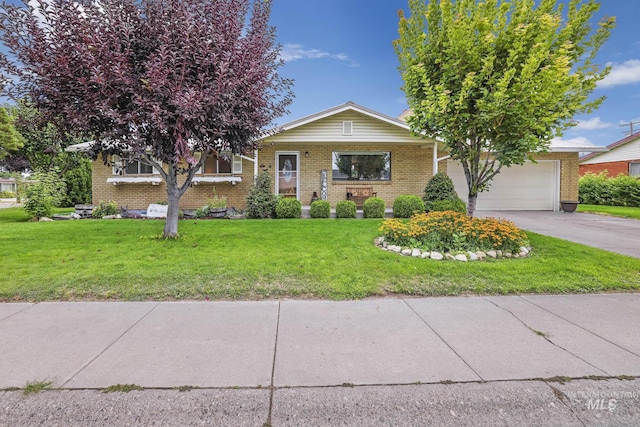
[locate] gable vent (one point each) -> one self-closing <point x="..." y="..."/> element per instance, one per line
<point x="347" y="128"/>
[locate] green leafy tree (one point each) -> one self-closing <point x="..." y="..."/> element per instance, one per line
<point x="497" y="80"/>
<point x="10" y="139"/>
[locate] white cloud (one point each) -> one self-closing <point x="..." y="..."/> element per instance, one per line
<point x="621" y="74"/>
<point x="293" y="52"/>
<point x="592" y="124"/>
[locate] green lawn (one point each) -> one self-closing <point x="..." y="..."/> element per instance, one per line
<point x="256" y="259"/>
<point x="622" y="211"/>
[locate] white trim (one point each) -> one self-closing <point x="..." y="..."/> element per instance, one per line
<point x="277" y="163"/>
<point x="349" y="106"/>
<point x="148" y="179"/>
<point x="232" y="179"/>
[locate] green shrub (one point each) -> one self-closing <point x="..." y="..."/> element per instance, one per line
<point x="261" y="202"/>
<point x="320" y="209"/>
<point x="288" y="207"/>
<point x="449" y="205"/>
<point x="406" y="205"/>
<point x="346" y="209"/>
<point x="105" y="208"/>
<point x="625" y="191"/>
<point x="78" y="181"/>
<point x="373" y="207"/>
<point x="594" y="189"/>
<point x="7" y="195"/>
<point x="439" y="187"/>
<point x="44" y="193"/>
<point x="599" y="189"/>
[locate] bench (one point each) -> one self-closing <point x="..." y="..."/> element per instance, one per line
<point x="85" y="211"/>
<point x="360" y="194"/>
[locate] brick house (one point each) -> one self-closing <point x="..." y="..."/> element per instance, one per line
<point x="338" y="150"/>
<point x="622" y="157"/>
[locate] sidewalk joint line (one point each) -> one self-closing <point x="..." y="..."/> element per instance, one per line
<point x="563" y="399"/>
<point x="273" y="368"/>
<point x="546" y="337"/>
<point x="85" y="365"/>
<point x="17" y="312"/>
<point x="305" y="387"/>
<point x="580" y="326"/>
<point x="442" y="339"/>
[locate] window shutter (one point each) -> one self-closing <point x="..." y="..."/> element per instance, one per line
<point x="116" y="165"/>
<point x="155" y="171"/>
<point x="236" y="167"/>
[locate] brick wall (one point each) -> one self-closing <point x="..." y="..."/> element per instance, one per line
<point x="411" y="168"/>
<point x="612" y="168"/>
<point x="139" y="196"/>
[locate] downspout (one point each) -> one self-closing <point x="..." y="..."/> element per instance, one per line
<point x="435" y="157"/>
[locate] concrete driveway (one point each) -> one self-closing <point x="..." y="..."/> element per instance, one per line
<point x="621" y="235"/>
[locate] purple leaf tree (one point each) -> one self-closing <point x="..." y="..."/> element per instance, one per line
<point x="154" y="81"/>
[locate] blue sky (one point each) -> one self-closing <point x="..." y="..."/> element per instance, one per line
<point x="341" y="50"/>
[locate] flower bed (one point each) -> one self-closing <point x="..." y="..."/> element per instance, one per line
<point x="454" y="233"/>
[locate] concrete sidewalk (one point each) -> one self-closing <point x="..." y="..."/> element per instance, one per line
<point x="299" y="362"/>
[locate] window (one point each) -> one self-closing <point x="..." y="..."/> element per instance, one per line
<point x="215" y="164"/>
<point x="634" y="169"/>
<point x="131" y="168"/>
<point x="367" y="166"/>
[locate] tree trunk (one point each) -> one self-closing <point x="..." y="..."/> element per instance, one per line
<point x="471" y="205"/>
<point x="173" y="207"/>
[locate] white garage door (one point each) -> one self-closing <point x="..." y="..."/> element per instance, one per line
<point x="531" y="187"/>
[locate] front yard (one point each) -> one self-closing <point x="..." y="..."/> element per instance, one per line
<point x="256" y="259"/>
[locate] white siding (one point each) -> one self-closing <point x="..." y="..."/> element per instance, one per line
<point x="329" y="129"/>
<point x="626" y="152"/>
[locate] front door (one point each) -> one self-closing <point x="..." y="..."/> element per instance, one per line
<point x="288" y="180"/>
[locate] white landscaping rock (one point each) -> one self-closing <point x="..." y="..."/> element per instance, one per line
<point x="425" y="255"/>
<point x="437" y="256"/>
<point x="524" y="250"/>
<point x="481" y="255"/>
<point x="45" y="219"/>
<point x="394" y="248"/>
<point x="461" y="257"/>
<point x="499" y="253"/>
<point x="492" y="254"/>
<point x="406" y="252"/>
<point x="416" y="252"/>
<point x="449" y="256"/>
<point x="472" y="256"/>
<point x="75" y="216"/>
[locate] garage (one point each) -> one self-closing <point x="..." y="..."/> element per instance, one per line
<point x="531" y="187"/>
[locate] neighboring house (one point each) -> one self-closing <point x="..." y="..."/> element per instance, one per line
<point x="8" y="184"/>
<point x="335" y="150"/>
<point x="622" y="157"/>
